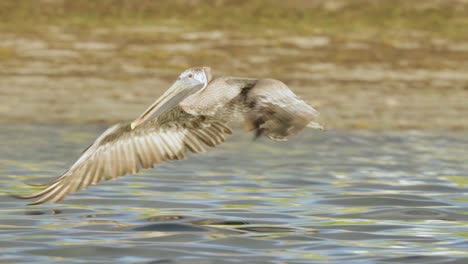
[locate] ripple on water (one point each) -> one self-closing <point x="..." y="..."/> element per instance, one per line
<point x="408" y="214"/>
<point x="381" y="200"/>
<point x="356" y="197"/>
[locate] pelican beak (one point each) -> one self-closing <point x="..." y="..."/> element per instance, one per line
<point x="171" y="98"/>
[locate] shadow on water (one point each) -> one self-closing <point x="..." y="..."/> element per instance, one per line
<point x="359" y="197"/>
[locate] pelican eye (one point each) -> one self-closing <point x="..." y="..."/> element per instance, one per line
<point x="190" y="75"/>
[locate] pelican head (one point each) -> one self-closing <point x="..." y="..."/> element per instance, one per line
<point x="189" y="82"/>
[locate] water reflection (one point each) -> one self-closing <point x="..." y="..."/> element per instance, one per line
<point x="353" y="196"/>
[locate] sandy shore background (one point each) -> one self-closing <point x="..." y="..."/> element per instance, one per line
<point x="363" y="64"/>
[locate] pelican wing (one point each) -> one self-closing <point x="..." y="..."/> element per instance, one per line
<point x="275" y="111"/>
<point x="121" y="150"/>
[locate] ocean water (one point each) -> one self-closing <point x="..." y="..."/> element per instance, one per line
<point x="357" y="197"/>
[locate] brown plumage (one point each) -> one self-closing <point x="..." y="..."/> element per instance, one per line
<point x="266" y="106"/>
<point x="171" y="128"/>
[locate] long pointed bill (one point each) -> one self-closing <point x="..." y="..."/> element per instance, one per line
<point x="171" y="98"/>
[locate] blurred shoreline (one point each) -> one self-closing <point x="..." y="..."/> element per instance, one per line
<point x="362" y="64"/>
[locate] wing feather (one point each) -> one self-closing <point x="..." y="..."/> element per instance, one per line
<point x="276" y="112"/>
<point x="121" y="150"/>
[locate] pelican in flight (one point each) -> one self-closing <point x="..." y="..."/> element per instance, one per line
<point x="189" y="117"/>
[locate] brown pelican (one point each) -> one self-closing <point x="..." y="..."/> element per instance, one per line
<point x="189" y="117"/>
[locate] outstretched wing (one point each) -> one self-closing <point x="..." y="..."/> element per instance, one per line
<point x="276" y="112"/>
<point x="121" y="150"/>
<point x="267" y="106"/>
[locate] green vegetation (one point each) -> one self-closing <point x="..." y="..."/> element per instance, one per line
<point x="375" y="19"/>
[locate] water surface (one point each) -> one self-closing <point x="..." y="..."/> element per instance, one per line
<point x="359" y="197"/>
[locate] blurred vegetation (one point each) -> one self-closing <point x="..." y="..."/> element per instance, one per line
<point x="399" y="60"/>
<point x="375" y="18"/>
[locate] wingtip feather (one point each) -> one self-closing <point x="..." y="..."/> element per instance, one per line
<point x="315" y="126"/>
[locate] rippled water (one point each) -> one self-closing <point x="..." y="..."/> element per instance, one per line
<point x="359" y="197"/>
